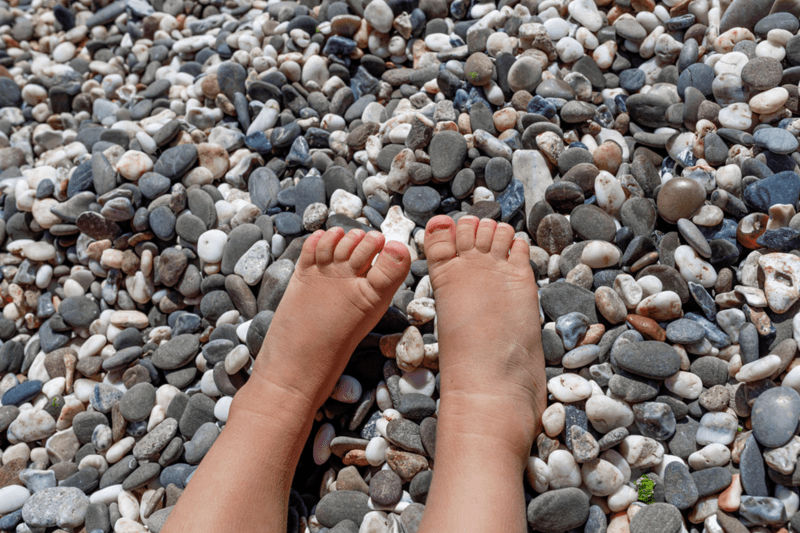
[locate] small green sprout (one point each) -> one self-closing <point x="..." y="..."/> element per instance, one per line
<point x="474" y="75"/>
<point x="645" y="486"/>
<point x="741" y="429"/>
<point x="54" y="402"/>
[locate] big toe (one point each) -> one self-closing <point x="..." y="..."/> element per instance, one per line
<point x="440" y="239"/>
<point x="390" y="269"/>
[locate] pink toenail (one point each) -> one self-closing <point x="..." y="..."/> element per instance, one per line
<point x="394" y="254"/>
<point x="438" y="228"/>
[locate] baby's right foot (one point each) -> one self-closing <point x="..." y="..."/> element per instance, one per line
<point x="491" y="357"/>
<point x="492" y="371"/>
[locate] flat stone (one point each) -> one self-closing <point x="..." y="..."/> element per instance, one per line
<point x="338" y="505"/>
<point x="649" y="359"/>
<point x="661" y="517"/>
<point x="557" y="511"/>
<point x="775" y="416"/>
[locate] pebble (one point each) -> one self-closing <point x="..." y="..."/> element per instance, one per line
<point x="647" y="156"/>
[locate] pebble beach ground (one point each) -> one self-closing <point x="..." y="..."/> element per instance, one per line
<point x="162" y="162"/>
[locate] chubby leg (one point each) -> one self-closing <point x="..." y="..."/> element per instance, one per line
<point x="492" y="375"/>
<point x="336" y="296"/>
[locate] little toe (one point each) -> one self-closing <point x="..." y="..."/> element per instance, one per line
<point x="327" y="245"/>
<point x="440" y="239"/>
<point x="465" y="233"/>
<point x="365" y="251"/>
<point x="308" y="253"/>
<point x="501" y="242"/>
<point x="485" y="235"/>
<point x="390" y="270"/>
<point x="520" y="254"/>
<point x="346" y="246"/>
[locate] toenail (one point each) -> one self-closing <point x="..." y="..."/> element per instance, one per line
<point x="394" y="254"/>
<point x="439" y="228"/>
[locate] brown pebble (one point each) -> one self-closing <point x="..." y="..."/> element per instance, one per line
<point x="348" y="478"/>
<point x="355" y="457"/>
<point x="554" y="233"/>
<point x="593" y="334"/>
<point x="134" y="375"/>
<point x="95" y="250"/>
<point x="608" y="157"/>
<point x="54" y="364"/>
<point x="130" y="262"/>
<point x="173" y="493"/>
<point x="760" y="320"/>
<point x="645" y="260"/>
<point x="680" y="198"/>
<point x="716" y="398"/>
<point x="9" y="473"/>
<point x="478" y="69"/>
<point x="210" y="86"/>
<point x="520" y="100"/>
<point x="681" y="8"/>
<point x="750" y="228"/>
<point x="647" y="327"/>
<point x="724" y="280"/>
<point x="118" y="423"/>
<point x="406" y="464"/>
<point x="622" y="122"/>
<point x="643" y="5"/>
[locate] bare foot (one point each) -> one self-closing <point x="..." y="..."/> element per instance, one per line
<point x="491" y="356"/>
<point x="335" y="297"/>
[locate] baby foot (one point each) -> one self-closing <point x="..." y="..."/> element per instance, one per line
<point x="490" y="353"/>
<point x="335" y="297"/>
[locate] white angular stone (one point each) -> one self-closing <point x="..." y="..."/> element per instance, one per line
<point x="685" y="384"/>
<point x="564" y="471"/>
<point x="211" y="245"/>
<point x="410" y="350"/>
<point x="538" y="474"/>
<point x="600" y="254"/>
<point x="641" y="452"/>
<point x="553" y="420"/>
<point x="569" y="388"/>
<point x="784" y="459"/>
<point x="253" y="263"/>
<point x="713" y="454"/>
<point x="693" y="268"/>
<point x="782" y="280"/>
<point x="601" y="477"/>
<point x="759" y="369"/>
<point x="606" y="413"/>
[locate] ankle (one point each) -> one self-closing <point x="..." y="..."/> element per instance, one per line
<point x="503" y="423"/>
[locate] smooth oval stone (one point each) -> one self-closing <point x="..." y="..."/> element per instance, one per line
<point x="341" y="505"/>
<point x="717" y="428"/>
<point x="775" y="416"/>
<point x="649" y="359"/>
<point x="558" y="510"/>
<point x="680" y="198"/>
<point x="386" y="488"/>
<point x="661" y="517"/>
<point x="711" y="480"/>
<point x="679" y="486"/>
<point x="176" y="352"/>
<point x="684" y="331"/>
<point x="776" y="140"/>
